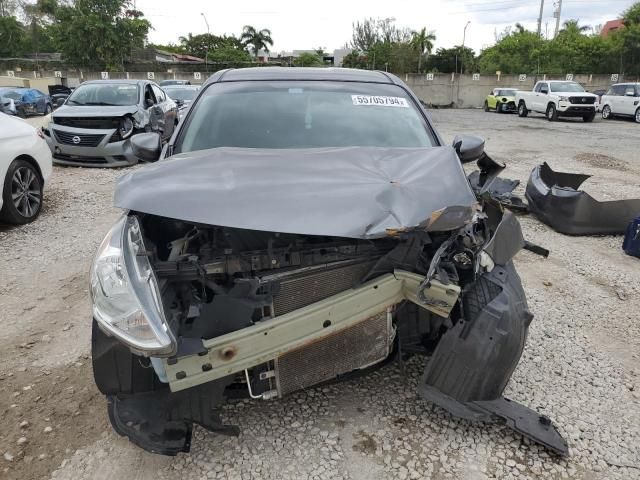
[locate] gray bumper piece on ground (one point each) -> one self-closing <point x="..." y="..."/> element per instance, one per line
<point x="555" y="199"/>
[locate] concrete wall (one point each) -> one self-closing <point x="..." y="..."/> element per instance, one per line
<point x="14" y="82"/>
<point x="440" y="89"/>
<point x="467" y="91"/>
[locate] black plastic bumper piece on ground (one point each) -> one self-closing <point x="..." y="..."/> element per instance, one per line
<point x="514" y="415"/>
<point x="555" y="199"/>
<point x="474" y="360"/>
<point x="141" y="422"/>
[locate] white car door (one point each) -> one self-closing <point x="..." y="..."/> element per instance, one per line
<point x="616" y="99"/>
<point x="628" y="100"/>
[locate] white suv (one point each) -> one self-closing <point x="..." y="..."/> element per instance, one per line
<point x="622" y="100"/>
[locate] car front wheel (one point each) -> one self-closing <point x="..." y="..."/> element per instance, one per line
<point x="522" y="110"/>
<point x="589" y="118"/>
<point x="638" y="115"/>
<point x="552" y="113"/>
<point x="486" y="106"/>
<point x="606" y="112"/>
<point x="22" y="193"/>
<point x="48" y="109"/>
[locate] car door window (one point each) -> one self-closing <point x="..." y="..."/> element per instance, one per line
<point x="149" y="97"/>
<point x="618" y="90"/>
<point x="538" y="87"/>
<point x="630" y="91"/>
<point x="159" y="94"/>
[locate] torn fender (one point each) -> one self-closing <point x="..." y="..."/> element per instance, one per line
<point x="354" y="192"/>
<point x="555" y="199"/>
<point x="474" y="360"/>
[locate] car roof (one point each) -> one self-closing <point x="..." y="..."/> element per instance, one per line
<point x="117" y="82"/>
<point x="300" y="73"/>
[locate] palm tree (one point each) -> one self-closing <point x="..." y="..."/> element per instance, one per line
<point x="423" y="42"/>
<point x="573" y="27"/>
<point x="256" y="40"/>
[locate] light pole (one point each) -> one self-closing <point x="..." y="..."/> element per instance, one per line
<point x="464" y="37"/>
<point x="206" y="55"/>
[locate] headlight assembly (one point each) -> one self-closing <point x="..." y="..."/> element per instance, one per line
<point x="564" y="99"/>
<point x="125" y="295"/>
<point x="126" y="127"/>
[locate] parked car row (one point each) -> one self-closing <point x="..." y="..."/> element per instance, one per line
<point x="22" y="101"/>
<point x="559" y="98"/>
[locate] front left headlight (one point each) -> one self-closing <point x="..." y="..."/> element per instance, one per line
<point x="564" y="99"/>
<point x="126" y="127"/>
<point x="125" y="295"/>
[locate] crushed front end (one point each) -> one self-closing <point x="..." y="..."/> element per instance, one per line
<point x="225" y="311"/>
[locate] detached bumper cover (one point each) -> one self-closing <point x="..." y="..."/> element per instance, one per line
<point x="555" y="199"/>
<point x="475" y="359"/>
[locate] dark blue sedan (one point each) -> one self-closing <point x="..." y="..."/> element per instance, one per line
<point x="23" y="101"/>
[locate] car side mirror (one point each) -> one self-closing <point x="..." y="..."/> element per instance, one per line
<point x="60" y="102"/>
<point x="147" y="146"/>
<point x="545" y="91"/>
<point x="179" y="102"/>
<point x="468" y="147"/>
<point x="148" y="103"/>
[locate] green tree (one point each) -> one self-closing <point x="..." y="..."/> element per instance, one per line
<point x="13" y="37"/>
<point x="229" y="54"/>
<point x="308" y="59"/>
<point x="628" y="41"/>
<point x="99" y="32"/>
<point x="422" y="41"/>
<point x="256" y="40"/>
<point x="449" y="59"/>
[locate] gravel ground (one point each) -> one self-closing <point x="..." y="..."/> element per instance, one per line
<point x="581" y="365"/>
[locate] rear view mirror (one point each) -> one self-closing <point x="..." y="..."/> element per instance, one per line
<point x="147" y="146"/>
<point x="544" y="91"/>
<point x="60" y="101"/>
<point x="468" y="147"/>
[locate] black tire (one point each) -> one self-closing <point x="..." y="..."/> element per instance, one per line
<point x="47" y="110"/>
<point x="637" y="117"/>
<point x="22" y="193"/>
<point x="589" y="118"/>
<point x="486" y="106"/>
<point x="552" y="113"/>
<point x="522" y="110"/>
<point x="498" y="107"/>
<point x="606" y="113"/>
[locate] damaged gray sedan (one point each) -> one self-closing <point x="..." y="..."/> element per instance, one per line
<point x="304" y="226"/>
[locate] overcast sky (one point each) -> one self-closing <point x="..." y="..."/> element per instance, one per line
<point x="303" y="25"/>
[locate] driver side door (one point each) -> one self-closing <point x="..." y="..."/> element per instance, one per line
<point x="491" y="99"/>
<point x="156" y="115"/>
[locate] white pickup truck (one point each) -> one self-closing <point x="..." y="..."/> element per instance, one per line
<point x="557" y="98"/>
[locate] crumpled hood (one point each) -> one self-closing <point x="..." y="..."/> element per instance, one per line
<point x="355" y="192"/>
<point x="94" y="111"/>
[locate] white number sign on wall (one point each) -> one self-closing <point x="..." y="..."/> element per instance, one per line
<point x="476" y="76"/>
<point x="197" y="76"/>
<point x="569" y="77"/>
<point x="11" y="73"/>
<point x="57" y="74"/>
<point x="151" y="76"/>
<point x="615" y="77"/>
<point x="104" y="75"/>
<point x="523" y="77"/>
<point x="430" y="76"/>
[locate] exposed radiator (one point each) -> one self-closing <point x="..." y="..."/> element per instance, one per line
<point x="309" y="287"/>
<point x="355" y="347"/>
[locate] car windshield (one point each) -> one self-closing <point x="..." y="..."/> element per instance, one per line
<point x="186" y="94"/>
<point x="12" y="94"/>
<point x="104" y="94"/>
<point x="506" y="93"/>
<point x="303" y="114"/>
<point x="566" y="87"/>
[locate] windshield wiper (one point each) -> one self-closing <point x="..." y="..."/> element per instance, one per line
<point x="102" y="104"/>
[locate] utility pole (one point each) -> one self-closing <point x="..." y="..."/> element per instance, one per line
<point x="540" y="17"/>
<point x="558" y="14"/>
<point x="206" y="55"/>
<point x="464" y="37"/>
